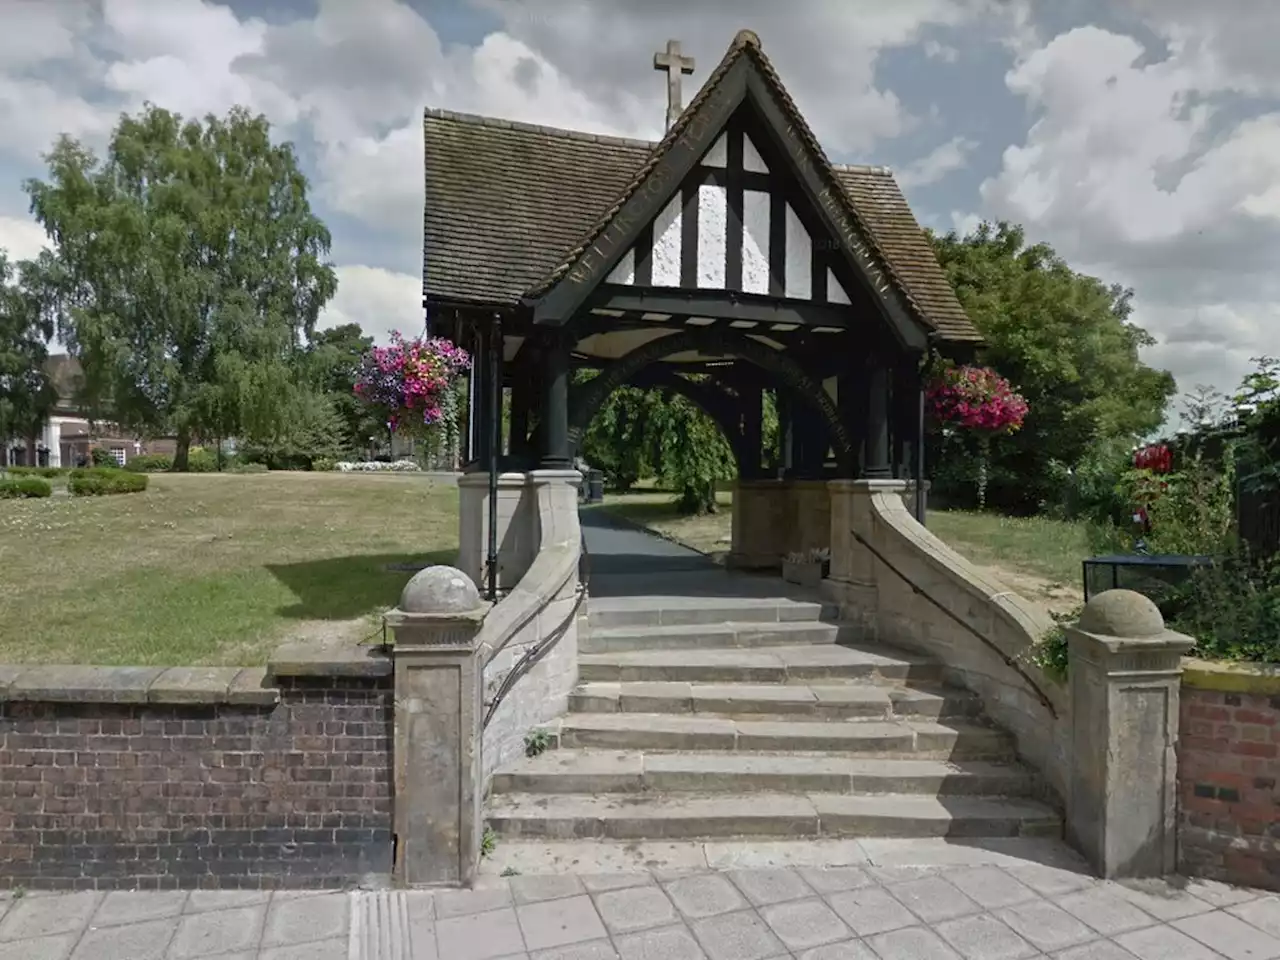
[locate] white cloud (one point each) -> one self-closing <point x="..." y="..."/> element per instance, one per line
<point x="936" y="164"/>
<point x="21" y="239"/>
<point x="379" y="300"/>
<point x="941" y="51"/>
<point x="1134" y="171"/>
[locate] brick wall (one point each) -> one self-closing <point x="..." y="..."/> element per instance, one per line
<point x="158" y="795"/>
<point x="1229" y="783"/>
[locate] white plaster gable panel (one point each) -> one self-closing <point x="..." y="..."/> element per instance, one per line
<point x="798" y="283"/>
<point x="755" y="241"/>
<point x="666" y="245"/>
<point x="836" y="292"/>
<point x="625" y="271"/>
<point x="718" y="155"/>
<point x="713" y="215"/>
<point x="751" y="159"/>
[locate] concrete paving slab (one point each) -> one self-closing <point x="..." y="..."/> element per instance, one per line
<point x="147" y="940"/>
<point x="31" y="917"/>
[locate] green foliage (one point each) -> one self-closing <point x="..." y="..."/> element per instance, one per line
<point x="1049" y="653"/>
<point x="1232" y="609"/>
<point x="102" y="481"/>
<point x="150" y="463"/>
<point x="488" y="842"/>
<point x="14" y="488"/>
<point x="249" y="468"/>
<point x="200" y="460"/>
<point x="616" y="441"/>
<point x="331" y="364"/>
<point x="312" y="430"/>
<point x="188" y="268"/>
<point x="1065" y="341"/>
<point x="45" y="472"/>
<point x="660" y="433"/>
<point x="324" y="464"/>
<point x="100" y="457"/>
<point x="536" y="743"/>
<point x="27" y="393"/>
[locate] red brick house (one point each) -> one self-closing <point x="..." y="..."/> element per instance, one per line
<point x="68" y="434"/>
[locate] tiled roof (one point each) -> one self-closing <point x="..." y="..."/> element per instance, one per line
<point x="505" y="200"/>
<point x="510" y="207"/>
<point x="885" y="212"/>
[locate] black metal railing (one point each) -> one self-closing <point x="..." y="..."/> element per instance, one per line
<point x="1009" y="661"/>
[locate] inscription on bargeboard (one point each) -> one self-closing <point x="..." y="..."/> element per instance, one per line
<point x="657" y="186"/>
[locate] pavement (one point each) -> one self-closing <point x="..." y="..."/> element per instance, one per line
<point x="969" y="903"/>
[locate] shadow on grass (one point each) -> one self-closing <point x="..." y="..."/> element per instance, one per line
<point x="343" y="588"/>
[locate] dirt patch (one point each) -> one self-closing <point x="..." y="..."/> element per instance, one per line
<point x="1058" y="597"/>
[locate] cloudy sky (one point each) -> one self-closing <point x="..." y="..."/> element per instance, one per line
<point x="1140" y="137"/>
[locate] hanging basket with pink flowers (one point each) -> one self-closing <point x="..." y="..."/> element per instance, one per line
<point x="979" y="401"/>
<point x="412" y="384"/>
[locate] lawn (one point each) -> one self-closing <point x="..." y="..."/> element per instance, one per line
<point x="1034" y="555"/>
<point x="213" y="569"/>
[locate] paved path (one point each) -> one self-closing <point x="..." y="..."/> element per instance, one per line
<point x="617" y="547"/>
<point x="992" y="908"/>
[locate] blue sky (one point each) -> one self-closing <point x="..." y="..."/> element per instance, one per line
<point x="1140" y="137"/>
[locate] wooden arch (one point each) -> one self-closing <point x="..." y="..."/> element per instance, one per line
<point x="587" y="399"/>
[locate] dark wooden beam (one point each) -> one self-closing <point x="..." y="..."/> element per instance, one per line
<point x="828" y="200"/>
<point x="675" y="164"/>
<point x="726" y="306"/>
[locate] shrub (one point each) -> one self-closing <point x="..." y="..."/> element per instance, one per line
<point x="200" y="460"/>
<point x="101" y="481"/>
<point x="36" y="471"/>
<point x="14" y="488"/>
<point x="324" y="464"/>
<point x="1232" y="609"/>
<point x="101" y="457"/>
<point x="150" y="463"/>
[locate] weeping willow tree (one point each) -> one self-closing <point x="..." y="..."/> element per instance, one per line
<point x="641" y="434"/>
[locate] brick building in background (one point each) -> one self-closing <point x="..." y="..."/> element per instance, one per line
<point x="68" y="434"/>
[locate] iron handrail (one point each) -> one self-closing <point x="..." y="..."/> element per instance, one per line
<point x="1009" y="661"/>
<point x="535" y="653"/>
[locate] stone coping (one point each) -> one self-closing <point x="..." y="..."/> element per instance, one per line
<point x="334" y="658"/>
<point x="1231" y="676"/>
<point x="74" y="683"/>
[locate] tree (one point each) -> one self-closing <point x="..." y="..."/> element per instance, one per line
<point x="1065" y="341"/>
<point x="333" y="360"/>
<point x="189" y="268"/>
<point x="27" y="393"/>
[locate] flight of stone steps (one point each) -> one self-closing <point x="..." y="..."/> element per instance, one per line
<point x="759" y="718"/>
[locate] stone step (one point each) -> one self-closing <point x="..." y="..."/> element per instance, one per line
<point x="784" y="664"/>
<point x="577" y="816"/>
<point x="646" y="731"/>
<point x="676" y="611"/>
<point x="721" y="635"/>
<point x="836" y="701"/>
<point x="607" y="771"/>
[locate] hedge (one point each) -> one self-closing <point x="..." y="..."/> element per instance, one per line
<point x="149" y="463"/>
<point x="14" y="488"/>
<point x="36" y="471"/>
<point x="100" y="481"/>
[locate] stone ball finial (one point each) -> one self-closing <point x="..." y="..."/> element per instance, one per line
<point x="748" y="38"/>
<point x="1121" y="613"/>
<point x="439" y="589"/>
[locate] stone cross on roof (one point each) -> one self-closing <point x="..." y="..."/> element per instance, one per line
<point x="675" y="65"/>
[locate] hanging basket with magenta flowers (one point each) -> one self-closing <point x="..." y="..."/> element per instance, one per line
<point x="412" y="384"/>
<point x="979" y="401"/>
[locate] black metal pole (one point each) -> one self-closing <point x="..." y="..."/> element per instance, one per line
<point x="919" y="457"/>
<point x="495" y="441"/>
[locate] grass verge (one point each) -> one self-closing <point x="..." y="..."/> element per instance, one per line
<point x="213" y="568"/>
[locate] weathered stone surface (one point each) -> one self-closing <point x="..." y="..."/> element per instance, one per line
<point x="346" y="658"/>
<point x="1121" y="613"/>
<point x="252" y="685"/>
<point x="440" y="589"/>
<point x="193" y="685"/>
<point x="80" y="684"/>
<point x="9" y="673"/>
